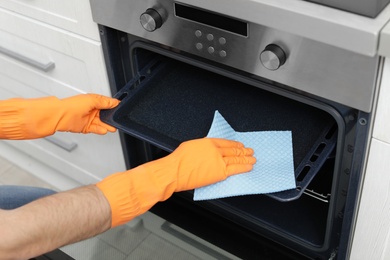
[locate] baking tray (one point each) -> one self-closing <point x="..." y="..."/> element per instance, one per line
<point x="169" y="102"/>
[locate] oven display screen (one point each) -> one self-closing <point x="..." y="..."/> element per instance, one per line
<point x="211" y="19"/>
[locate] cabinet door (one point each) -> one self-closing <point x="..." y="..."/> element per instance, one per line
<point x="86" y="158"/>
<point x="71" y="15"/>
<point x="38" y="60"/>
<point x="28" y="47"/>
<point x="370" y="240"/>
<point x="382" y="122"/>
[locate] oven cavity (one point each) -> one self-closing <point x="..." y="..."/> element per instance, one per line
<point x="169" y="102"/>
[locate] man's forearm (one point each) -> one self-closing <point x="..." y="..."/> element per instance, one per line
<point x="52" y="222"/>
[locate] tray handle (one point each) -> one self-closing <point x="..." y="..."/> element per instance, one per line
<point x="106" y="115"/>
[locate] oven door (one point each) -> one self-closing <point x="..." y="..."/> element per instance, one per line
<point x="172" y="98"/>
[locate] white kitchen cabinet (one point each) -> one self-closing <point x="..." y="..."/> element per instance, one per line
<point x="371" y="237"/>
<point x="83" y="157"/>
<point x="71" y="15"/>
<point x="42" y="57"/>
<point x="382" y="122"/>
<point x="372" y="233"/>
<point x="78" y="62"/>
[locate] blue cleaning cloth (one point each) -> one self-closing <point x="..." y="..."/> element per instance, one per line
<point x="273" y="171"/>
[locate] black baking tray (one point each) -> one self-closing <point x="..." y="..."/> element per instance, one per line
<point x="169" y="102"/>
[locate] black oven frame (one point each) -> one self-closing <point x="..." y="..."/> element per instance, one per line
<point x="116" y="52"/>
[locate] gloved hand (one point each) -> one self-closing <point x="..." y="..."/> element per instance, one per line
<point x="192" y="165"/>
<point x="34" y="118"/>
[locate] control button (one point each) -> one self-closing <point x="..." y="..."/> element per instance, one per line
<point x="222" y="54"/>
<point x="199" y="46"/>
<point x="151" y="20"/>
<point x="222" y="41"/>
<point x="272" y="57"/>
<point x="198" y="33"/>
<point x="210" y="50"/>
<point x="210" y="37"/>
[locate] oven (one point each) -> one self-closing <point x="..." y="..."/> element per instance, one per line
<point x="173" y="64"/>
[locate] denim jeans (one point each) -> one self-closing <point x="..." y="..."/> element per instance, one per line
<point x="15" y="196"/>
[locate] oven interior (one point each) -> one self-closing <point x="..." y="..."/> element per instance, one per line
<point x="169" y="102"/>
<point x="171" y="98"/>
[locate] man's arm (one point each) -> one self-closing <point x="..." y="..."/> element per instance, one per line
<point x="68" y="217"/>
<point x="51" y="222"/>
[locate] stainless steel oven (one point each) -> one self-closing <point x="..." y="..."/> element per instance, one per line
<point x="173" y="64"/>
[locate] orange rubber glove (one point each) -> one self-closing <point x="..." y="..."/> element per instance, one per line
<point x="34" y="118"/>
<point x="192" y="165"/>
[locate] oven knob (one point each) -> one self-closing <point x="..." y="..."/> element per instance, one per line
<point x="272" y="57"/>
<point x="151" y="20"/>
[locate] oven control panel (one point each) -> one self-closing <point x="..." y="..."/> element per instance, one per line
<point x="205" y="42"/>
<point x="289" y="59"/>
<point x="210" y="33"/>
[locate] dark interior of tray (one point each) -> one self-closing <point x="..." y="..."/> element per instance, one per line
<point x="179" y="102"/>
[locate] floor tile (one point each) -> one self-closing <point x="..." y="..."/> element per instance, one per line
<point x="93" y="249"/>
<point x="154" y="247"/>
<point x="16" y="176"/>
<point x="124" y="239"/>
<point x="4" y="165"/>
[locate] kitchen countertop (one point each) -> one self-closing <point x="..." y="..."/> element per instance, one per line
<point x="384" y="41"/>
<point x="328" y="25"/>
